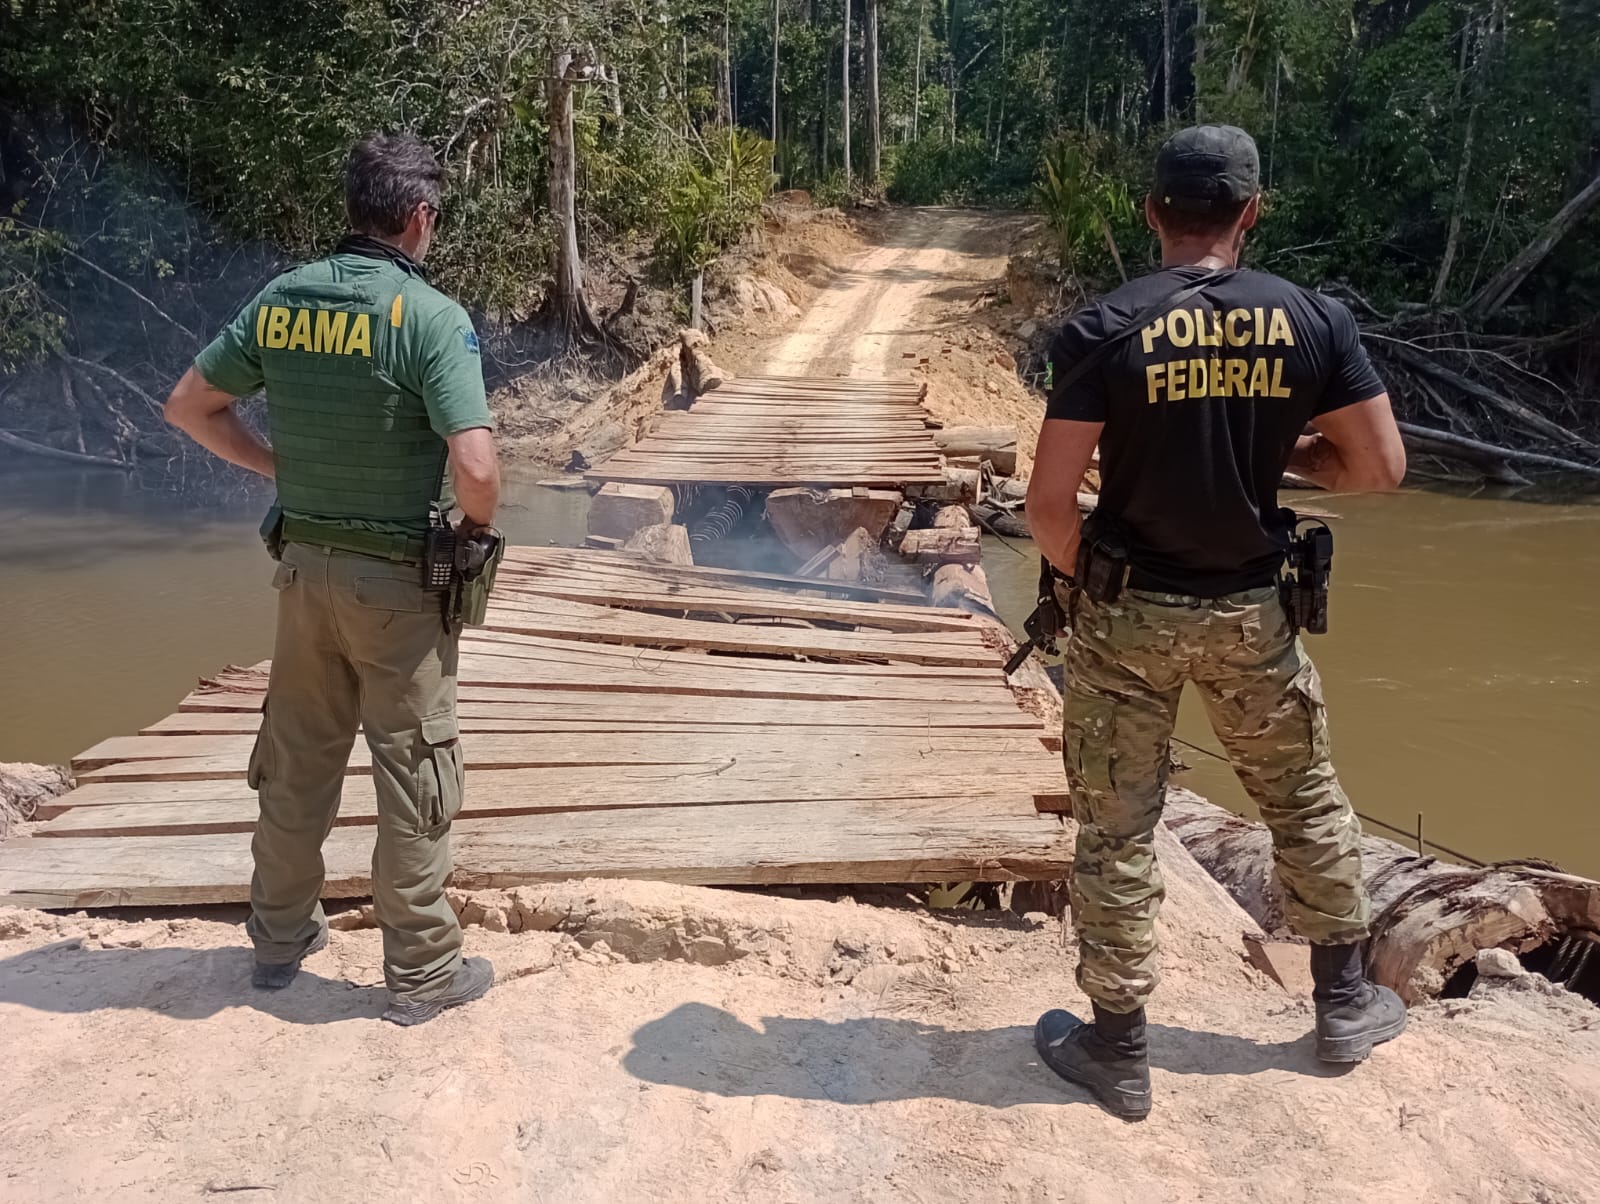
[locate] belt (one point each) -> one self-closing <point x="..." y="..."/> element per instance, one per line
<point x="401" y="549"/>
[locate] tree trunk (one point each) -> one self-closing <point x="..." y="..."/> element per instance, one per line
<point x="1000" y="126"/>
<point x="1452" y="242"/>
<point x="1492" y="296"/>
<point x="772" y="129"/>
<point x="943" y="545"/>
<point x="997" y="444"/>
<point x="727" y="66"/>
<point x="1166" y="60"/>
<point x="1430" y="918"/>
<point x="822" y="126"/>
<point x="874" y="127"/>
<point x="951" y="119"/>
<point x="916" y="87"/>
<point x="808" y="520"/>
<point x="844" y="92"/>
<point x="1472" y="36"/>
<point x="950" y="70"/>
<point x="568" y="306"/>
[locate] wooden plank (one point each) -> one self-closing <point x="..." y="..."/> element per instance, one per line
<point x="232" y="806"/>
<point x="574" y="655"/>
<point x="753" y="844"/>
<point x="614" y="687"/>
<point x="567" y="620"/>
<point x="817" y="750"/>
<point x="578" y="710"/>
<point x="749" y="603"/>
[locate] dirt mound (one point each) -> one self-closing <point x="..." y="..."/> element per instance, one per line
<point x="23" y="786"/>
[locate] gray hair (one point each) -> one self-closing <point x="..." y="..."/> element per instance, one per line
<point x="386" y="177"/>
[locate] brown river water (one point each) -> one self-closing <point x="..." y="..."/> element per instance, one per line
<point x="1462" y="670"/>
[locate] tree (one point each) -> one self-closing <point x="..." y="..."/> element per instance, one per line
<point x="772" y="125"/>
<point x="874" y="128"/>
<point x="845" y="93"/>
<point x="568" y="306"/>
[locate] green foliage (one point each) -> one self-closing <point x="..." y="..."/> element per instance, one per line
<point x="30" y="328"/>
<point x="1361" y="110"/>
<point x="935" y="172"/>
<point x="1083" y="205"/>
<point x="713" y="201"/>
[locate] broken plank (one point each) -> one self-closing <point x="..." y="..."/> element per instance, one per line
<point x="568" y="620"/>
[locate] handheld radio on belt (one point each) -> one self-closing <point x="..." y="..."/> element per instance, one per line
<point x="1103" y="565"/>
<point x="462" y="567"/>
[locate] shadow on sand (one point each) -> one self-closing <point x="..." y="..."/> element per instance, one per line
<point x="876" y="1059"/>
<point x="184" y="983"/>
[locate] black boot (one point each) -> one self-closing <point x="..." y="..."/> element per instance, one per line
<point x="274" y="976"/>
<point x="1110" y="1057"/>
<point x="1353" y="1013"/>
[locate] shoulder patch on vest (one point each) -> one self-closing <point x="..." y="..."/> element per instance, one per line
<point x="470" y="338"/>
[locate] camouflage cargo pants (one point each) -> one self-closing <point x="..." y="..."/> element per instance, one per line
<point x="1125" y="668"/>
<point x="360" y="644"/>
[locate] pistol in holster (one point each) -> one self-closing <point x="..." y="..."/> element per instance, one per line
<point x="1104" y="561"/>
<point x="1307" y="568"/>
<point x="272" y="531"/>
<point x="462" y="569"/>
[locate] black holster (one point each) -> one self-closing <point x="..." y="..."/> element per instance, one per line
<point x="1308" y="567"/>
<point x="1104" y="561"/>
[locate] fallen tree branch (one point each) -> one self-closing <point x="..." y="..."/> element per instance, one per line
<point x="1480" y="449"/>
<point x="123" y="284"/>
<point x="55" y="453"/>
<point x="155" y="406"/>
<point x="1492" y="467"/>
<point x="1489" y="299"/>
<point x="1408" y="354"/>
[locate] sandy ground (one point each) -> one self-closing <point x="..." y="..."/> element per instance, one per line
<point x="648" y="1042"/>
<point x="673" y="1043"/>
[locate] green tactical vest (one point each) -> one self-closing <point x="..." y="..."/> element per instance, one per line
<point x="354" y="449"/>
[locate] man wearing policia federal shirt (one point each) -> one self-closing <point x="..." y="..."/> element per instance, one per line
<point x="1197" y="415"/>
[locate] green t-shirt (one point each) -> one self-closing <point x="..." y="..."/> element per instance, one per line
<point x="432" y="350"/>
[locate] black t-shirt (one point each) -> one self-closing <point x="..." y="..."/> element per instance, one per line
<point x="1201" y="411"/>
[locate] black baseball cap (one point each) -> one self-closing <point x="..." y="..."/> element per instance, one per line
<point x="1206" y="167"/>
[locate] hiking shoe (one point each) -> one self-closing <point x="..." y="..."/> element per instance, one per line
<point x="471" y="981"/>
<point x="274" y="976"/>
<point x="1116" y="1071"/>
<point x="1347" y="1032"/>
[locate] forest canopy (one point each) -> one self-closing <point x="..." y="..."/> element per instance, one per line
<point x="1411" y="149"/>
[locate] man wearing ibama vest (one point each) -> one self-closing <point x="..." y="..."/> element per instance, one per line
<point x="378" y="420"/>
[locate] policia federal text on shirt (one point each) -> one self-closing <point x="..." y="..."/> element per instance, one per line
<point x="1196" y="416"/>
<point x="378" y="421"/>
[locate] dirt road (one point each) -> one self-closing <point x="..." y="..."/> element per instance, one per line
<point x="920" y="261"/>
<point x="922" y="297"/>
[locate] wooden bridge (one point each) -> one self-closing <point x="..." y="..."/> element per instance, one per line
<point x="627" y="719"/>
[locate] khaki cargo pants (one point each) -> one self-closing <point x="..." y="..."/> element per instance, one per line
<point x="1125" y="667"/>
<point x="359" y="643"/>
